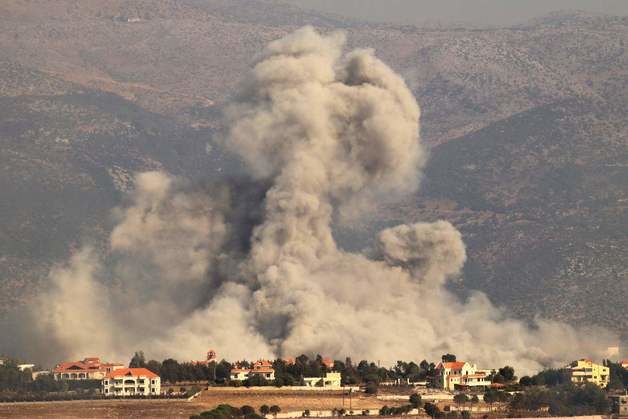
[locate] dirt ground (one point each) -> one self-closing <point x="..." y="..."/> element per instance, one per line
<point x="101" y="409"/>
<point x="183" y="409"/>
<point x="289" y="400"/>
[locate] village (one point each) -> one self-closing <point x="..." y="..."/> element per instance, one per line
<point x="323" y="387"/>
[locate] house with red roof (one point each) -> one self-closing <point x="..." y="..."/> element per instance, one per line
<point x="131" y="382"/>
<point x="261" y="368"/>
<point x="461" y="375"/>
<point x="624" y="364"/>
<point x="87" y="369"/>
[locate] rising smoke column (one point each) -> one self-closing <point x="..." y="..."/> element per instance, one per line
<point x="333" y="132"/>
<point x="329" y="133"/>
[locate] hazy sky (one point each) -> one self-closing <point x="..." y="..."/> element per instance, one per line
<point x="500" y="12"/>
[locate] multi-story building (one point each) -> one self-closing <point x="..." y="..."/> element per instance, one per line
<point x="586" y="371"/>
<point x="260" y="368"/>
<point x="131" y="382"/>
<point x="461" y="375"/>
<point x="87" y="369"/>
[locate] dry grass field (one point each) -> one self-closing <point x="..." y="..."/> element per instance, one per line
<point x="101" y="409"/>
<point x="287" y="400"/>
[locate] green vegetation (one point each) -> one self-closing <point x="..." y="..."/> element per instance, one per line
<point x="563" y="400"/>
<point x="225" y="411"/>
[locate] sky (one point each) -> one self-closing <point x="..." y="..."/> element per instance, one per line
<point x="490" y="12"/>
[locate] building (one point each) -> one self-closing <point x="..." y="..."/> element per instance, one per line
<point x="87" y="369"/>
<point x="586" y="371"/>
<point x="331" y="380"/>
<point x="131" y="382"/>
<point x="260" y="368"/>
<point x="24" y="367"/>
<point x="461" y="375"/>
<point x="239" y="374"/>
<point x="264" y="369"/>
<point x="619" y="405"/>
<point x="211" y="356"/>
<point x="624" y="364"/>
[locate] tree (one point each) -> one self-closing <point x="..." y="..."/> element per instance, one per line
<point x="371" y="387"/>
<point x="170" y="371"/>
<point x="264" y="409"/>
<point x="247" y="410"/>
<point x="431" y="409"/>
<point x="498" y="378"/>
<point x="138" y="360"/>
<point x="526" y="381"/>
<point x="274" y="409"/>
<point x="152" y="365"/>
<point x="256" y="380"/>
<point x="223" y="371"/>
<point x="449" y="358"/>
<point x="461" y="398"/>
<point x="507" y="372"/>
<point x="415" y="400"/>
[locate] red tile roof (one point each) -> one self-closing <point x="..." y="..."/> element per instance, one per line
<point x="86" y="365"/>
<point x="262" y="370"/>
<point x="262" y="363"/>
<point x="132" y="372"/>
<point x="451" y="365"/>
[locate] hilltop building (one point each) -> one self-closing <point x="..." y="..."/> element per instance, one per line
<point x="461" y="375"/>
<point x="586" y="371"/>
<point x="331" y="380"/>
<point x="261" y="368"/>
<point x="87" y="369"/>
<point x="131" y="382"/>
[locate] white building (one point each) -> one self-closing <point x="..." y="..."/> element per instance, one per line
<point x="260" y="368"/>
<point x="461" y="375"/>
<point x="24" y="367"/>
<point x="239" y="374"/>
<point x="331" y="380"/>
<point x="131" y="382"/>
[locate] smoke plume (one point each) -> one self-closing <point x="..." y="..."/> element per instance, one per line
<point x="328" y="133"/>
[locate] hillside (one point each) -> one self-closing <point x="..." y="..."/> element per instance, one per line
<point x="527" y="127"/>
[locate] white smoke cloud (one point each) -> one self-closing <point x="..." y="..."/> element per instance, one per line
<point x="329" y="133"/>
